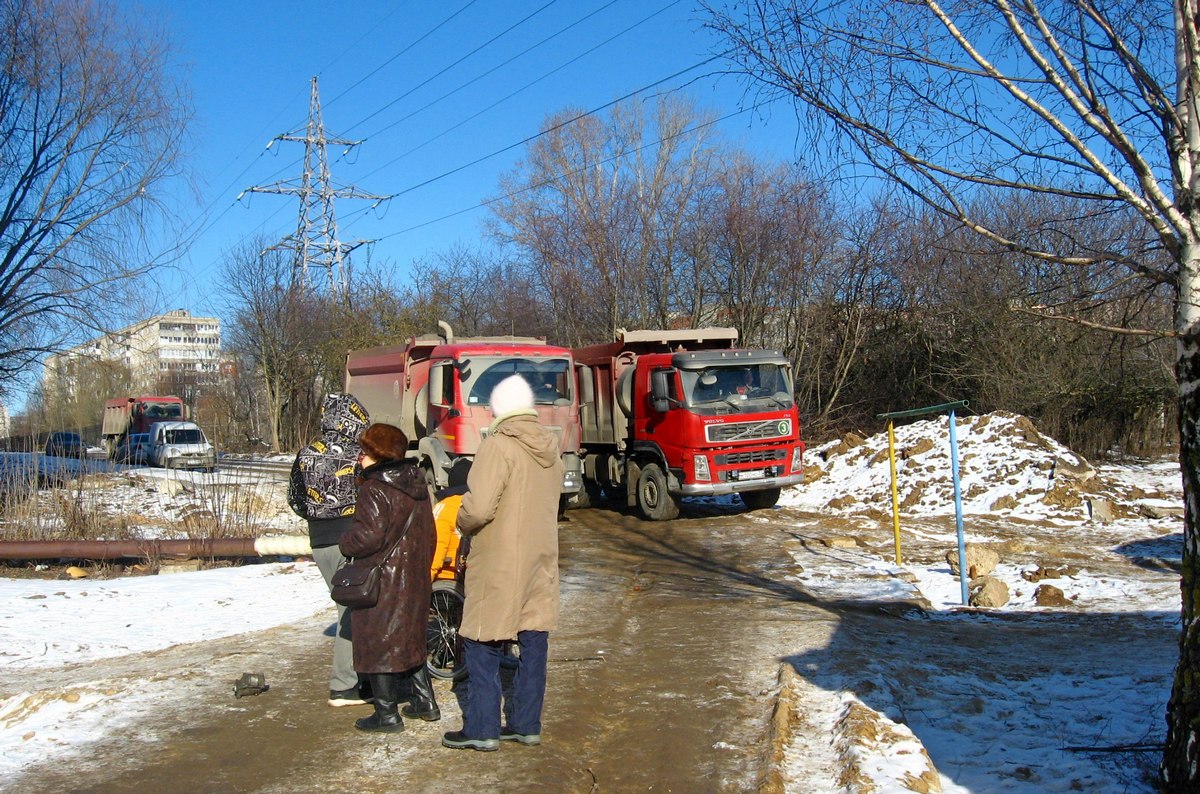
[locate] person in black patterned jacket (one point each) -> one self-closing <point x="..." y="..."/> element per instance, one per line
<point x="323" y="489"/>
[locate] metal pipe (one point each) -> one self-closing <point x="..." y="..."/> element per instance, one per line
<point x="290" y="546"/>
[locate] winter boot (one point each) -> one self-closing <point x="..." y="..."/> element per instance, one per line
<point x="386" y="718"/>
<point x="423" y="705"/>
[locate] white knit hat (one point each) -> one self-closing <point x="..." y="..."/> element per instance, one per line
<point x="511" y="394"/>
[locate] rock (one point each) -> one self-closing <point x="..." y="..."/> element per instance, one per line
<point x="1159" y="511"/>
<point x="1006" y="502"/>
<point x="1064" y="496"/>
<point x="1100" y="510"/>
<point x="842" y="543"/>
<point x="170" y="486"/>
<point x="988" y="591"/>
<point x="1043" y="572"/>
<point x="981" y="560"/>
<point x="853" y="440"/>
<point x="1047" y="595"/>
<point x="1073" y="468"/>
<point x="180" y="566"/>
<point x="922" y="446"/>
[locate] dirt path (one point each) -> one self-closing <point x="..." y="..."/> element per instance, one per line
<point x="663" y="677"/>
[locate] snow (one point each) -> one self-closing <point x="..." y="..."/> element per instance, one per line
<point x="983" y="734"/>
<point x="1030" y="497"/>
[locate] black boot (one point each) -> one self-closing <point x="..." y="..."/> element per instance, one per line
<point x="423" y="705"/>
<point x="386" y="719"/>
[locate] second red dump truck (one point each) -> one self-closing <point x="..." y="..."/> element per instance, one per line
<point x="668" y="414"/>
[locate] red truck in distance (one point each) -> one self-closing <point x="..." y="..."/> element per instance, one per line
<point x="669" y="414"/>
<point x="436" y="388"/>
<point x="126" y="415"/>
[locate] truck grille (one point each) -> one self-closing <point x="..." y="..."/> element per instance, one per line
<point x="748" y="431"/>
<point x="758" y="456"/>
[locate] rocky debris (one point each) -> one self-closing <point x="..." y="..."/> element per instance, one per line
<point x="841" y="543"/>
<point x="1047" y="595"/>
<point x="169" y="486"/>
<point x="981" y="560"/>
<point x="1158" y="511"/>
<point x="1042" y="572"/>
<point x="1006" y="466"/>
<point x="988" y="591"/>
<point x="859" y="734"/>
<point x="1100" y="510"/>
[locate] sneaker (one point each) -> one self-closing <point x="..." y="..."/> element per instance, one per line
<point x="509" y="735"/>
<point x="458" y="740"/>
<point x="348" y="697"/>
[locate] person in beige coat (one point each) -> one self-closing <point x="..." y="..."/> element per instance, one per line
<point x="510" y="513"/>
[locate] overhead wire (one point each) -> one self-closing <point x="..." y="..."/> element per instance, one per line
<point x="557" y="177"/>
<point x="501" y="65"/>
<point x="447" y="68"/>
<point x="390" y="60"/>
<point x="509" y="96"/>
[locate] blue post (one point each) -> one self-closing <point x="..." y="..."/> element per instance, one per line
<point x="958" y="513"/>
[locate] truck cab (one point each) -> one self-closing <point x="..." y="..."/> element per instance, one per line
<point x="437" y="388"/>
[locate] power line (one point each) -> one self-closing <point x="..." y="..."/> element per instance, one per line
<point x="557" y="177"/>
<point x="420" y="39"/>
<point x="549" y="130"/>
<point x="499" y="66"/>
<point x="436" y="75"/>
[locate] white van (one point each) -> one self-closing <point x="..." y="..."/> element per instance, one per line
<point x="180" y="445"/>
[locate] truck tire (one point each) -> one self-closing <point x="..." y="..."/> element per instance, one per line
<point x="760" y="500"/>
<point x="655" y="502"/>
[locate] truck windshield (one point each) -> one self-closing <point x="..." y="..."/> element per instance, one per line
<point x="189" y="435"/>
<point x="163" y="410"/>
<point x="740" y="386"/>
<point x="548" y="377"/>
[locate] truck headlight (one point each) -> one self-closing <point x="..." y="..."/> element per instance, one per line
<point x="700" y="462"/>
<point x="797" y="459"/>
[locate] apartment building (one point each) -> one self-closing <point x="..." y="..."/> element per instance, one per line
<point x="157" y="351"/>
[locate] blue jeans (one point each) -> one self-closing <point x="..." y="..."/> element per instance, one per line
<point x="481" y="717"/>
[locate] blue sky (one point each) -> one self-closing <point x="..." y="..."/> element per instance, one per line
<point x="416" y="81"/>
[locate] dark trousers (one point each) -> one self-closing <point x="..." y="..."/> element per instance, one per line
<point x="481" y="718"/>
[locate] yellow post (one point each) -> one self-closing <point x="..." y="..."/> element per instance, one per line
<point x="895" y="491"/>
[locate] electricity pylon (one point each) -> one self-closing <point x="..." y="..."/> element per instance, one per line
<point x="315" y="241"/>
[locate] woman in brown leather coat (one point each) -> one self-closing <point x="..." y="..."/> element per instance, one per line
<point x="389" y="638"/>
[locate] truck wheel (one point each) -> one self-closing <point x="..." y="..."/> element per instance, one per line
<point x="655" y="502"/>
<point x="760" y="500"/>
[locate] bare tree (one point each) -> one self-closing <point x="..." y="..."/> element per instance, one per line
<point x="599" y="209"/>
<point x="1094" y="102"/>
<point x="278" y="327"/>
<point x="90" y="127"/>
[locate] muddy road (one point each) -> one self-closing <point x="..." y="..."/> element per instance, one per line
<point x="663" y="677"/>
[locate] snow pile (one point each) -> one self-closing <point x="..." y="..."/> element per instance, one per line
<point x="1005" y="466"/>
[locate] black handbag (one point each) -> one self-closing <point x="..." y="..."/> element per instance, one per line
<point x="356" y="584"/>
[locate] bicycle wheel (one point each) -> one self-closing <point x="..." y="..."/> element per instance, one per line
<point x="444" y="652"/>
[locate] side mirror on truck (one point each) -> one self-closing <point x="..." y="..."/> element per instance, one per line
<point x="660" y="390"/>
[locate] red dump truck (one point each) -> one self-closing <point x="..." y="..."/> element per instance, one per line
<point x="125" y="415"/>
<point x="436" y="389"/>
<point x="668" y="414"/>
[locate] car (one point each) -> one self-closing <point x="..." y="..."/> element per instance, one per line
<point x="180" y="445"/>
<point x="66" y="445"/>
<point x="134" y="450"/>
